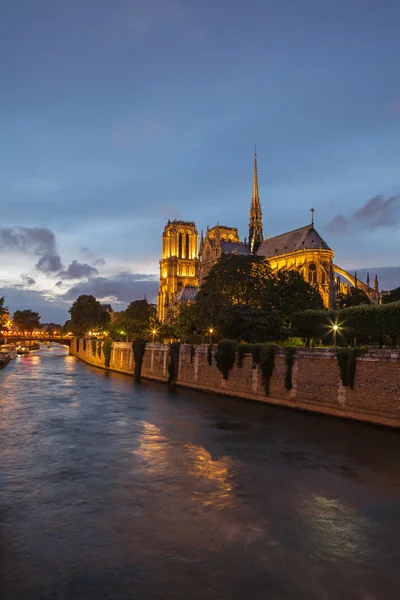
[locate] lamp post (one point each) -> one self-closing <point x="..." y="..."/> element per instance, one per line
<point x="211" y="331"/>
<point x="154" y="331"/>
<point x="335" y="328"/>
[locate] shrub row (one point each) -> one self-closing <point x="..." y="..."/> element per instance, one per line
<point x="364" y="321"/>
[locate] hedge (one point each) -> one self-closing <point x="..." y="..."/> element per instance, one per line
<point x="364" y="321"/>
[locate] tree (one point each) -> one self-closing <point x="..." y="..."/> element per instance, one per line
<point x="354" y="297"/>
<point x="233" y="280"/>
<point x="251" y="324"/>
<point x="292" y="294"/>
<point x="243" y="299"/>
<point x="26" y="320"/>
<point x="393" y="296"/>
<point x="2" y="307"/>
<point x="137" y="321"/>
<point x="184" y="323"/>
<point x="86" y="314"/>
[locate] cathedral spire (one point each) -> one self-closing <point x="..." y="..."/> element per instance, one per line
<point x="255" y="225"/>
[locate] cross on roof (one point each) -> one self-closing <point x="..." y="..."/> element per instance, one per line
<point x="312" y="210"/>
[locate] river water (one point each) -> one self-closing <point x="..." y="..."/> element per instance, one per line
<point x="112" y="489"/>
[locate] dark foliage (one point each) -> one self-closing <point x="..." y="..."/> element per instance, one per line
<point x="267" y="364"/>
<point x="107" y="347"/>
<point x="138" y="347"/>
<point x="173" y="364"/>
<point x="225" y="357"/>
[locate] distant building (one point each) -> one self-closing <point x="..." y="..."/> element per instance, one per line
<point x="183" y="268"/>
<point x="108" y="308"/>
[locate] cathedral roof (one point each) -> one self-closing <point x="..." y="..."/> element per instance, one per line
<point x="234" y="248"/>
<point x="305" y="238"/>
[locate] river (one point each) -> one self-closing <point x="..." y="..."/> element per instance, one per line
<point x="112" y="489"/>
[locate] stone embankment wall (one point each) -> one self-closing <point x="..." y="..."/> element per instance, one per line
<point x="317" y="385"/>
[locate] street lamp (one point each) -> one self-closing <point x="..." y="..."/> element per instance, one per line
<point x="154" y="331"/>
<point x="335" y="329"/>
<point x="211" y="331"/>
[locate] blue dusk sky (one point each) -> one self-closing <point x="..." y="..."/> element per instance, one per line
<point x="116" y="115"/>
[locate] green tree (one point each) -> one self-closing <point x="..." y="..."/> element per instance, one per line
<point x="2" y="307"/>
<point x="86" y="314"/>
<point x="292" y="294"/>
<point x="251" y="324"/>
<point x="137" y="321"/>
<point x="183" y="324"/>
<point x="233" y="280"/>
<point x="354" y="297"/>
<point x="393" y="296"/>
<point x="26" y="320"/>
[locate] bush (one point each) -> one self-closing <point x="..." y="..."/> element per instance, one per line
<point x="107" y="347"/>
<point x="242" y="349"/>
<point x="225" y="357"/>
<point x="289" y="359"/>
<point x="99" y="348"/>
<point x="94" y="344"/>
<point x="84" y="344"/>
<point x="347" y="360"/>
<point x="267" y="364"/>
<point x="138" y="347"/>
<point x="173" y="365"/>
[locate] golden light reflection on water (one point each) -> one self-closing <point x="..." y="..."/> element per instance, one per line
<point x="151" y="448"/>
<point x="216" y="473"/>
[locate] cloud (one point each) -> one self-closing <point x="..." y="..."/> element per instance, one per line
<point x="378" y="212"/>
<point x="100" y="262"/>
<point x="36" y="241"/>
<point x="28" y="280"/>
<point x="51" y="309"/>
<point x="49" y="264"/>
<point x="123" y="287"/>
<point x="78" y="270"/>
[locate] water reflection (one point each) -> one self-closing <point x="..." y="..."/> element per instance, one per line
<point x="116" y="490"/>
<point x="214" y="474"/>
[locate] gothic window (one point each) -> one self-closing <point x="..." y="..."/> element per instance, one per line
<point x="180" y="245"/>
<point x="323" y="278"/>
<point x="187" y="246"/>
<point x="312" y="274"/>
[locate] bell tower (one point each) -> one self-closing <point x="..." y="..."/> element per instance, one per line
<point x="255" y="225"/>
<point x="179" y="263"/>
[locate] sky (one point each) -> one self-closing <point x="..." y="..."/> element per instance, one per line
<point x="118" y="115"/>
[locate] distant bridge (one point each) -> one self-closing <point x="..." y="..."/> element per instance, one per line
<point x="65" y="340"/>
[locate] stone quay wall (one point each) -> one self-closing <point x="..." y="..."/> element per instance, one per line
<point x="316" y="381"/>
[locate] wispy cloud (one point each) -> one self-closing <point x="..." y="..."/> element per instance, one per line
<point x="122" y="287"/>
<point x="378" y="212"/>
<point x="77" y="270"/>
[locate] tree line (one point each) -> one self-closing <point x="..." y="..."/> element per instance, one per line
<point x="241" y="299"/>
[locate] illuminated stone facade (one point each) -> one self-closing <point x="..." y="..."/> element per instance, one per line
<point x="182" y="268"/>
<point x="179" y="264"/>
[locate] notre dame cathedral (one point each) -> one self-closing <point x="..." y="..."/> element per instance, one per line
<point x="185" y="263"/>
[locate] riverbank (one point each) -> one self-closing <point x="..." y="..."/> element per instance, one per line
<point x="316" y="385"/>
